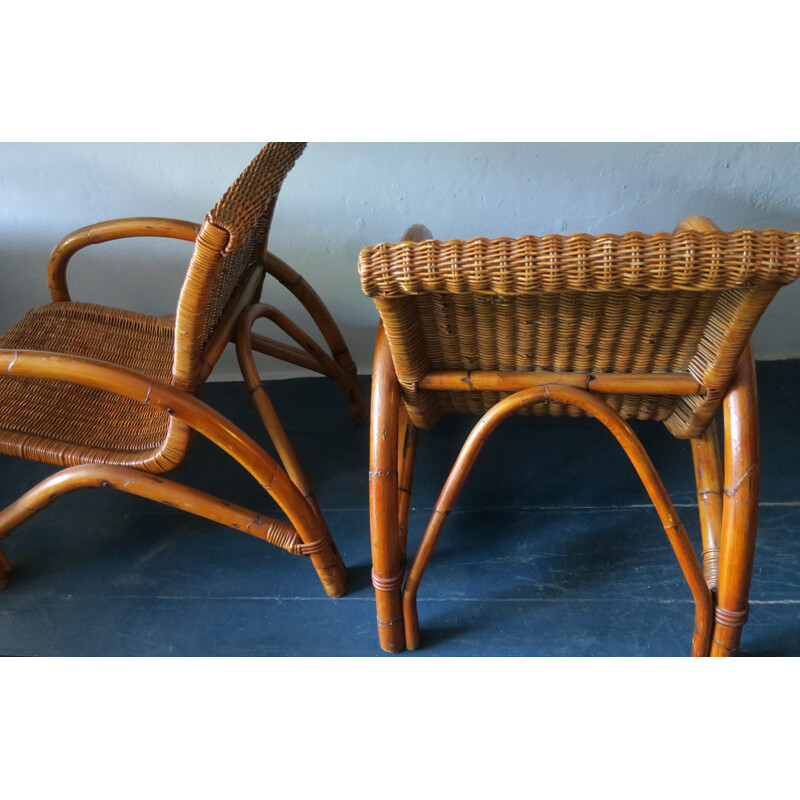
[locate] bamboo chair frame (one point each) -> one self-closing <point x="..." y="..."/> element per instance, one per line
<point x="245" y="211"/>
<point x="727" y="499"/>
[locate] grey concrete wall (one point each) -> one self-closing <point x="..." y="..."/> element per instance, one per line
<point x="342" y="197"/>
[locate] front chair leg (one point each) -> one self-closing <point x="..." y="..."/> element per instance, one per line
<point x="265" y="409"/>
<point x="387" y="570"/>
<point x="740" y="508"/>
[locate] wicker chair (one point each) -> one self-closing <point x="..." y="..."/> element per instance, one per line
<point x="634" y="326"/>
<point x="110" y="394"/>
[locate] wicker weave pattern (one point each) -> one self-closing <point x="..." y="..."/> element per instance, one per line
<point x="241" y="206"/>
<point x="69" y="424"/>
<point x="231" y="244"/>
<point x="685" y="302"/>
<point x="530" y="265"/>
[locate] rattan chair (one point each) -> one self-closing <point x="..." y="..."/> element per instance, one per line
<point x="634" y="326"/>
<point x="110" y="394"/>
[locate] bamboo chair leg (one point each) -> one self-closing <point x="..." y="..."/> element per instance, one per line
<point x="740" y="508"/>
<point x="387" y="569"/>
<point x="708" y="475"/>
<point x="408" y="435"/>
<point x="636" y="453"/>
<point x="313" y="304"/>
<point x="270" y="418"/>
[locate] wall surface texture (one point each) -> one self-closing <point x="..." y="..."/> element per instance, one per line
<point x="342" y="197"/>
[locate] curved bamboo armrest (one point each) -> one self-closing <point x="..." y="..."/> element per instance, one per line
<point x="105" y="232"/>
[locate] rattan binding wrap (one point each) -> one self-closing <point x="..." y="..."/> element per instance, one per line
<point x="683" y="302"/>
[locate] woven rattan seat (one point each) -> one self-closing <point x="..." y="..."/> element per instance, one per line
<point x="648" y="327"/>
<point x="110" y="394"/>
<point x="69" y="424"/>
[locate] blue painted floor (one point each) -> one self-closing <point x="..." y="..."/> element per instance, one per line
<point x="563" y="556"/>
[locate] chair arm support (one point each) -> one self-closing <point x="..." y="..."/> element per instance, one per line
<point x="105" y="232"/>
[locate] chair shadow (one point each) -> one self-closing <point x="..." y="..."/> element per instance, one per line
<point x="359" y="578"/>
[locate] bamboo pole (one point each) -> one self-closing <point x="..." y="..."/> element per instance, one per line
<point x="407" y="438"/>
<point x="159" y="489"/>
<point x="106" y="232"/>
<point x="739" y="508"/>
<point x="263" y="404"/>
<point x="286" y="352"/>
<point x="708" y="476"/>
<point x="671" y="383"/>
<point x="387" y="570"/>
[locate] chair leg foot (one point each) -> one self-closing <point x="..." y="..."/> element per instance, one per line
<point x="391" y="636"/>
<point x="5" y="570"/>
<point x="333" y="576"/>
<point x="411" y="620"/>
<point x="388" y="637"/>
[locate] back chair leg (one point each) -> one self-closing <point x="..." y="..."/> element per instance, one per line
<point x="708" y="475"/>
<point x="270" y="418"/>
<point x="387" y="569"/>
<point x="740" y="508"/>
<point x="408" y="435"/>
<point x="636" y="453"/>
<point x="311" y="301"/>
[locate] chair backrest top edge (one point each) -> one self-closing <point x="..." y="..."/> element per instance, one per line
<point x="687" y="260"/>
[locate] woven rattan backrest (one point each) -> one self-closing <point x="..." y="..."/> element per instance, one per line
<point x="230" y="246"/>
<point x="683" y="302"/>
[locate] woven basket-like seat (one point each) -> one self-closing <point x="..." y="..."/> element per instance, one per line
<point x="68" y="424"/>
<point x="659" y="303"/>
